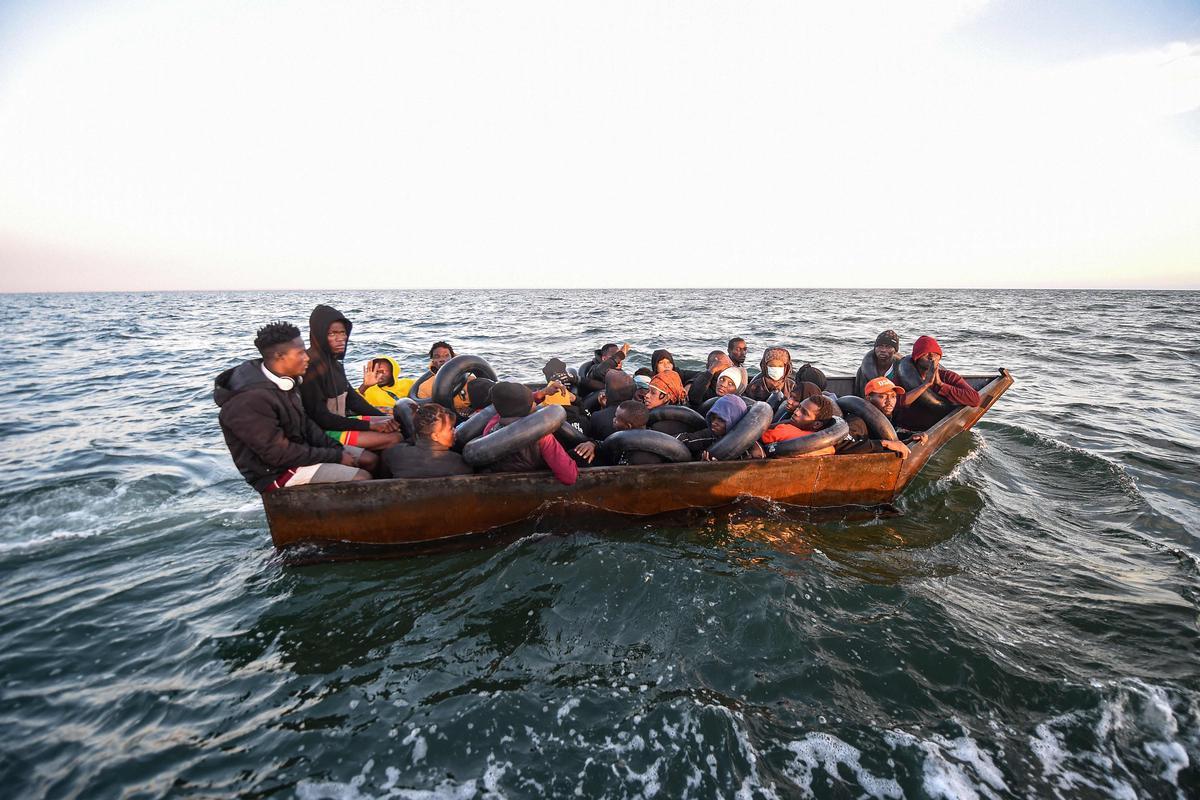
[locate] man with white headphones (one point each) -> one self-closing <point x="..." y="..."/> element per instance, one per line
<point x="272" y="441"/>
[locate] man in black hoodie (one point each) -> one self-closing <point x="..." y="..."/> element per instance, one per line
<point x="328" y="397"/>
<point x="272" y="441"/>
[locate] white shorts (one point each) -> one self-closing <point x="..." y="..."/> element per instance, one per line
<point x="319" y="473"/>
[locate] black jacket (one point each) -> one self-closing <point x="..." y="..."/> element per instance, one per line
<point x="326" y="377"/>
<point x="265" y="427"/>
<point x="599" y="426"/>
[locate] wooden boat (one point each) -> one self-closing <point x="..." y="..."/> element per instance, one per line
<point x="427" y="510"/>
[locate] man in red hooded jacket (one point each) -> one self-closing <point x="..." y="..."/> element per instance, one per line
<point x="927" y="357"/>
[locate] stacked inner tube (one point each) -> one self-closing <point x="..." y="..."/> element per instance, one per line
<point x="829" y="437"/>
<point x="452" y="376"/>
<point x="879" y="426"/>
<point x="684" y="414"/>
<point x="910" y="378"/>
<point x="483" y="450"/>
<point x="569" y="436"/>
<point x="472" y="427"/>
<point x="403" y="413"/>
<point x="412" y="390"/>
<point x="746" y="432"/>
<point x="645" y="441"/>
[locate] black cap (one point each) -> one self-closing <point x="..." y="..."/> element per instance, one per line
<point x="512" y="399"/>
<point x="555" y="369"/>
<point x="889" y="338"/>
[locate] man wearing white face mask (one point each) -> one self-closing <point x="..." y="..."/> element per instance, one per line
<point x="776" y="375"/>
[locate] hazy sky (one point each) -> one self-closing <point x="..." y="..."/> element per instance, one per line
<point x="188" y="145"/>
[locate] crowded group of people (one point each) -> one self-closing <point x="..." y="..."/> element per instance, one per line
<point x="292" y="417"/>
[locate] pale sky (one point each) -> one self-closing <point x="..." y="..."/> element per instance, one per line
<point x="236" y="145"/>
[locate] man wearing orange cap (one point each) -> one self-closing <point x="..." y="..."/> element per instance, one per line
<point x="885" y="395"/>
<point x="927" y="357"/>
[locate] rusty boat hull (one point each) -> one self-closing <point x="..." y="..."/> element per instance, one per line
<point x="404" y="512"/>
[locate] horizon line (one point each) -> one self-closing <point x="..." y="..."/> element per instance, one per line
<point x="621" y="288"/>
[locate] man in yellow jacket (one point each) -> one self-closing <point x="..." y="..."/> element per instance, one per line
<point x="382" y="385"/>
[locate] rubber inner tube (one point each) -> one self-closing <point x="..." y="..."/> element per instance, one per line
<point x="910" y="378"/>
<point x="471" y="427"/>
<point x="412" y="390"/>
<point x="745" y="433"/>
<point x="814" y="441"/>
<point x="707" y="405"/>
<point x="868" y="369"/>
<point x="645" y="441"/>
<point x="685" y="414"/>
<point x="569" y="436"/>
<point x="511" y="438"/>
<point x="877" y="422"/>
<point x="403" y="412"/>
<point x="775" y="399"/>
<point x="451" y="378"/>
<point x="782" y="413"/>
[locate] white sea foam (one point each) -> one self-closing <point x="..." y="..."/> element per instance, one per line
<point x="952" y="769"/>
<point x="1136" y="714"/>
<point x="485" y="787"/>
<point x="566" y="708"/>
<point x="827" y="752"/>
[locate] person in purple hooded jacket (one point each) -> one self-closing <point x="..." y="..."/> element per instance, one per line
<point x="722" y="417"/>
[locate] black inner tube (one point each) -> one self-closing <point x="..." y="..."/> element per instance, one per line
<point x="828" y="437"/>
<point x="869" y="371"/>
<point x="569" y="436"/>
<point x="877" y="422"/>
<point x="403" y="412"/>
<point x="412" y="390"/>
<point x="745" y="433"/>
<point x="775" y="399"/>
<point x="684" y="414"/>
<point x="645" y="441"/>
<point x="910" y="378"/>
<point x="473" y="426"/>
<point x="511" y="438"/>
<point x="452" y="376"/>
<point x="707" y="405"/>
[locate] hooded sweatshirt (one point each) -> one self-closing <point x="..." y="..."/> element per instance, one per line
<point x="385" y="397"/>
<point x="659" y="355"/>
<point x="730" y="409"/>
<point x="327" y="394"/>
<point x="761" y="387"/>
<point x="265" y="427"/>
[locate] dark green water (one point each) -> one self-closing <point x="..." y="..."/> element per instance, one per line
<point x="1027" y="627"/>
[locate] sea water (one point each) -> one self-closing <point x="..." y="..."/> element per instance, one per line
<point x="1025" y="626"/>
